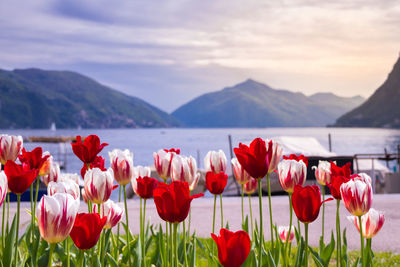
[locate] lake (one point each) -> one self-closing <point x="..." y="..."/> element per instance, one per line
<point x="197" y="142"/>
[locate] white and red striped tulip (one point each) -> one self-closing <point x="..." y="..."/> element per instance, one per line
<point x="362" y="177"/>
<point x="215" y="161"/>
<point x="274" y="154"/>
<point x="56" y="215"/>
<point x="3" y="186"/>
<point x="371" y="222"/>
<point x="98" y="185"/>
<point x="184" y="169"/>
<point x="291" y="173"/>
<point x="139" y="171"/>
<point x="54" y="174"/>
<point x="71" y="177"/>
<point x="356" y="196"/>
<point x="162" y="163"/>
<point x="283" y="232"/>
<point x="113" y="212"/>
<point x="84" y="197"/>
<point x="251" y="186"/>
<point x="10" y="147"/>
<point x="323" y="172"/>
<point x="242" y="177"/>
<point x="122" y="165"/>
<point x="67" y="186"/>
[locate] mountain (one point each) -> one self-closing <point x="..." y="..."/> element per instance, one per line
<point x="381" y="109"/>
<point x="34" y="98"/>
<point x="253" y="104"/>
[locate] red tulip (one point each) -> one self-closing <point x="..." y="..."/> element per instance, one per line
<point x="34" y="159"/>
<point x="297" y="158"/>
<point x="98" y="162"/>
<point x="88" y="149"/>
<point x="341" y="171"/>
<point x="233" y="247"/>
<point x="216" y="182"/>
<point x="87" y="229"/>
<point x="258" y="159"/>
<point x="173" y="201"/>
<point x="306" y="202"/>
<point x="145" y="187"/>
<point x="19" y="177"/>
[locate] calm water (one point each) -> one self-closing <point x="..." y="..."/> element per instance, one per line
<point x="196" y="142"/>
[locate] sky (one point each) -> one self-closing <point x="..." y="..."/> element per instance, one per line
<point x="168" y="52"/>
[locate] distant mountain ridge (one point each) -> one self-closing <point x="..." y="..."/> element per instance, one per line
<point x="35" y="98"/>
<point x="254" y="104"/>
<point x="382" y="109"/>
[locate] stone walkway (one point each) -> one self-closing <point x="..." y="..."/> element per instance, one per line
<point x="202" y="211"/>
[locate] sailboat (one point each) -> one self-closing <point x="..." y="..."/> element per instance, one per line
<point x="53" y="127"/>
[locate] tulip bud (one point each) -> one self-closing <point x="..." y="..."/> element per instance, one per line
<point x="112" y="211"/>
<point x="87" y="229"/>
<point x="274" y="153"/>
<point x="162" y="162"/>
<point x="122" y="165"/>
<point x="139" y="171"/>
<point x="98" y="185"/>
<point x="371" y="222"/>
<point x="216" y="182"/>
<point x="46" y="165"/>
<point x="284" y="233"/>
<point x="323" y="172"/>
<point x="357" y="196"/>
<point x="251" y="186"/>
<point x="242" y="177"/>
<point x="56" y="215"/>
<point x="233" y="247"/>
<point x="54" y="174"/>
<point x="184" y="169"/>
<point x="145" y="187"/>
<point x="291" y="173"/>
<point x="68" y="187"/>
<point x="10" y="147"/>
<point x="215" y="161"/>
<point x="3" y="187"/>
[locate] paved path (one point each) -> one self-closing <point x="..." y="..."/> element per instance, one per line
<point x="202" y="209"/>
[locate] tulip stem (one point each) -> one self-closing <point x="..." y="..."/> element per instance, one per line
<point x="175" y="243"/>
<point x="298" y="226"/>
<point x="127" y="227"/>
<point x="16" y="236"/>
<point x="369" y="250"/>
<point x="261" y="239"/>
<point x="32" y="212"/>
<point x="270" y="209"/>
<point x="8" y="211"/>
<point x="190" y="219"/>
<point x="67" y="245"/>
<point x="306" y="233"/>
<point x="215" y="204"/>
<point x="242" y="205"/>
<point x="50" y="263"/>
<point x="172" y="260"/>
<point x="80" y="258"/>
<point x="167" y="241"/>
<point x="362" y="241"/>
<point x="36" y="197"/>
<point x="323" y="213"/>
<point x="143" y="233"/>
<point x="290" y="229"/>
<point x="222" y="211"/>
<point x="99" y="248"/>
<point x="3" y="238"/>
<point x="141" y="229"/>
<point x="117" y="249"/>
<point x="184" y="244"/>
<point x="251" y="216"/>
<point x="338" y="235"/>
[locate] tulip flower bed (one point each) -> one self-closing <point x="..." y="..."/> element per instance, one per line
<point x="58" y="235"/>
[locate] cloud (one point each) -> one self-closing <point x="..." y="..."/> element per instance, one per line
<point x="168" y="52"/>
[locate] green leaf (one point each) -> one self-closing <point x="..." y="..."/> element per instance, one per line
<point x="111" y="261"/>
<point x="300" y="253"/>
<point x="318" y="261"/>
<point x="245" y="225"/>
<point x="270" y="259"/>
<point x="327" y="251"/>
<point x="10" y="241"/>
